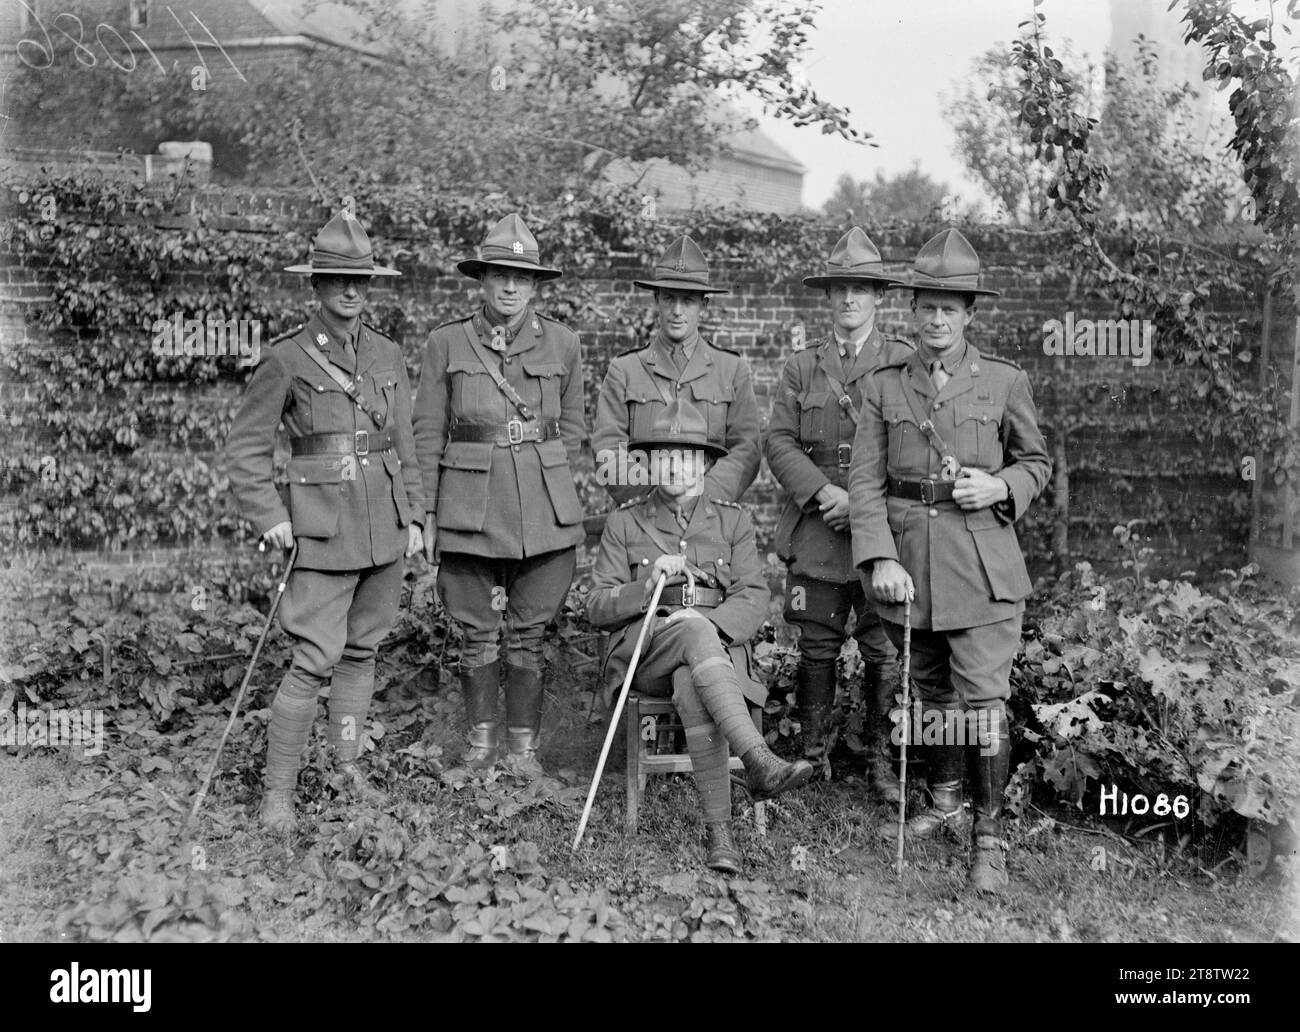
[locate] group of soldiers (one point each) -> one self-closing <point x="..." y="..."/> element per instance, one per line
<point x="906" y="466"/>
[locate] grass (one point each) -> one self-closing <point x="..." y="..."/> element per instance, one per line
<point x="821" y="873"/>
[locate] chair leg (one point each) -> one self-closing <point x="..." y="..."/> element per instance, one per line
<point x="635" y="779"/>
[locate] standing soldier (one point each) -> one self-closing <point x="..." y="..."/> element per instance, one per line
<point x="714" y="601"/>
<point x="498" y="420"/>
<point x="339" y="385"/>
<point x="641" y="383"/>
<point x="948" y="455"/>
<point x="809" y="444"/>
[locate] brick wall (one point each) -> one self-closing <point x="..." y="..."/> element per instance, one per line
<point x="1131" y="454"/>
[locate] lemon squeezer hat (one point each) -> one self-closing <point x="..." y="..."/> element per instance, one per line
<point x="948" y="262"/>
<point x="342" y="248"/>
<point x="682" y="267"/>
<point x="511" y="245"/>
<point x="679" y="424"/>
<point x="855" y="258"/>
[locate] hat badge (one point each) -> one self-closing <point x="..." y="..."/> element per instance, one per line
<point x="347" y="216"/>
<point x="517" y="247"/>
<point x="681" y="265"/>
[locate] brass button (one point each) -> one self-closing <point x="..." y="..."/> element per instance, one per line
<point x="934" y="512"/>
<point x="365" y="462"/>
<point x="319" y="387"/>
<point x="507" y="361"/>
<point x="938" y="405"/>
<point x="645" y="562"/>
<point x="516" y="447"/>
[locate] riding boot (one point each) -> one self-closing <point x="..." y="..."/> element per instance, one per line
<point x="815" y="693"/>
<point x="990" y="762"/>
<point x="879" y="681"/>
<point x="944" y="764"/>
<point x="351" y="687"/>
<point x="480" y="686"/>
<point x="292" y="713"/>
<point x="524" y="697"/>
<point x="721" y="853"/>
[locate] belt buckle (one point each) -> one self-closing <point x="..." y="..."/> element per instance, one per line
<point x="688" y="595"/>
<point x="843" y="455"/>
<point x="927" y="487"/>
<point x="361" y="442"/>
<point x="515" y="432"/>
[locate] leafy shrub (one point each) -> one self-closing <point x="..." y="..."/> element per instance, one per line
<point x="1164" y="687"/>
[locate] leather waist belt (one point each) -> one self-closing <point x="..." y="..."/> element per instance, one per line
<point x="824" y="455"/>
<point x="517" y="431"/>
<point x="702" y="598"/>
<point x="927" y="491"/>
<point x="359" y="442"/>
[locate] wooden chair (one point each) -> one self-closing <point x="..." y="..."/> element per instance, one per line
<point x="655" y="720"/>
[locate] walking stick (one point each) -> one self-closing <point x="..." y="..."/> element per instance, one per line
<point x="248" y="674"/>
<point x="618" y="709"/>
<point x="902" y="762"/>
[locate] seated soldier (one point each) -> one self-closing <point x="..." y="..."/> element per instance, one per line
<point x="714" y="601"/>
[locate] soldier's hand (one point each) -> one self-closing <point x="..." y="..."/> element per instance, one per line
<point x="280" y="536"/>
<point x="890" y="583"/>
<point x="430" y="536"/>
<point x="414" y="540"/>
<point x="976" y="489"/>
<point x="672" y="565"/>
<point x="834" y="505"/>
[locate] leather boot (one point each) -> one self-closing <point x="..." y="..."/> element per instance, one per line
<point x="768" y="775"/>
<point x="815" y="693"/>
<point x="879" y="681"/>
<point x="722" y="854"/>
<point x="990" y="762"/>
<point x="480" y="686"/>
<point x="524" y="697"/>
<point x="944" y="764"/>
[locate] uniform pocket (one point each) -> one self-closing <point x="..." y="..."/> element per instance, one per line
<point x="904" y="440"/>
<point x="464" y="473"/>
<point x="1000" y="556"/>
<point x="394" y="467"/>
<point x="714" y="399"/>
<point x="978" y="426"/>
<point x="316" y="494"/>
<point x="559" y="482"/>
<point x="470" y="383"/>
<point x="812" y="417"/>
<point x="547" y="375"/>
<point x="383" y="393"/>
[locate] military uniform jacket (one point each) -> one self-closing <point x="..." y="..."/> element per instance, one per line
<point x="640" y="385"/>
<point x="809" y="424"/>
<point x="718" y="542"/>
<point x="966" y="566"/>
<point x="349" y="512"/>
<point x="505" y="501"/>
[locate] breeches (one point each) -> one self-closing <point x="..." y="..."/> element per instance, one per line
<point x="965" y="669"/>
<point x="481" y="592"/>
<point x="339" y="615"/>
<point x="827" y="613"/>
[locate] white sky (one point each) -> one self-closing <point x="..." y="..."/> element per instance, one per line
<point x="889" y="61"/>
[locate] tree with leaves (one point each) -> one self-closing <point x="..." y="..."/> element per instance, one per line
<point x="911" y="196"/>
<point x="535" y="99"/>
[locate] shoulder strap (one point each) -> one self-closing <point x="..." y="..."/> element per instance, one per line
<point x="923" y="422"/>
<point x="340" y="378"/>
<point x="503" y="385"/>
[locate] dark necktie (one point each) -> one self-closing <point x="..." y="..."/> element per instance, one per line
<point x="938" y="374"/>
<point x="682" y="521"/>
